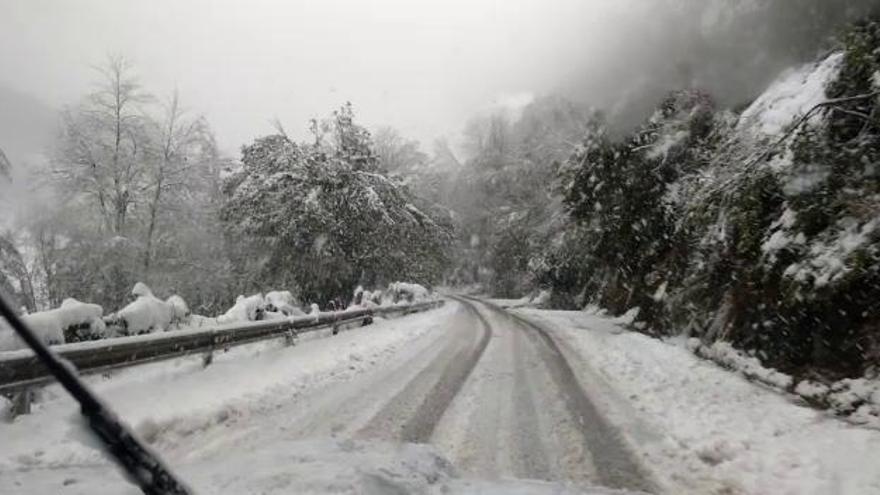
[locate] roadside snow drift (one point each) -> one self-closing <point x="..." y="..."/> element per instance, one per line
<point x="708" y="430"/>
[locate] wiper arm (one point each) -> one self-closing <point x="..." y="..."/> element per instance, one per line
<point x="142" y="466"/>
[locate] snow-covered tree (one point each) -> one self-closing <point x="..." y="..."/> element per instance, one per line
<point x="324" y="217"/>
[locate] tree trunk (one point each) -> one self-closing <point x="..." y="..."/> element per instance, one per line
<point x="151" y="228"/>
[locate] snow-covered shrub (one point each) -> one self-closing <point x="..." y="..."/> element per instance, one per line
<point x="314" y="310"/>
<point x="250" y="308"/>
<point x="47" y="325"/>
<point x="282" y="302"/>
<point x="180" y="313"/>
<point x="541" y="299"/>
<point x="146" y="314"/>
<point x="82" y="321"/>
<point x="140" y="289"/>
<point x="407" y="292"/>
<point x="365" y="298"/>
<point x="71" y="322"/>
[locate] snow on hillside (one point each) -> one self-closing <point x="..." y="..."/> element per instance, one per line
<point x="791" y="96"/>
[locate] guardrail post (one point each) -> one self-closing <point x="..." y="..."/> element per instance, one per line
<point x="208" y="357"/>
<point x="21" y="401"/>
<point x="290" y="337"/>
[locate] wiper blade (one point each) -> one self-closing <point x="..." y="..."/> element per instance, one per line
<point x="142" y="466"/>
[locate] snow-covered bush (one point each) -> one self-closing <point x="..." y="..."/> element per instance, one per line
<point x="47" y="325"/>
<point x="250" y="308"/>
<point x="365" y="298"/>
<point x="282" y="302"/>
<point x="407" y="292"/>
<point x="71" y="322"/>
<point x="314" y="310"/>
<point x="180" y="313"/>
<point x="82" y="321"/>
<point x="146" y="314"/>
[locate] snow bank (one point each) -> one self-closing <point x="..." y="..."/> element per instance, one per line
<point x="704" y="429"/>
<point x="538" y="300"/>
<point x="726" y="355"/>
<point x="199" y="321"/>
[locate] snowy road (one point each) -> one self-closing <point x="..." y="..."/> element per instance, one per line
<point x="462" y="399"/>
<point x="494" y="396"/>
<point x="492" y="399"/>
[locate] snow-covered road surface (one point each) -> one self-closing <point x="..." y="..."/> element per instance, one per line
<point x="459" y="399"/>
<point x="463" y="399"/>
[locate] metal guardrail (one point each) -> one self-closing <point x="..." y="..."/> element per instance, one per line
<point x="21" y="370"/>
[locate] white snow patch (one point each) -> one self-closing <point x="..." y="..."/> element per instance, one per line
<point x="791" y="96"/>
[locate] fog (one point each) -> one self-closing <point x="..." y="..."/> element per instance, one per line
<point x="422" y="67"/>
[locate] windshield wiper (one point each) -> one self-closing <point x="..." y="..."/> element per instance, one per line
<point x="143" y="466"/>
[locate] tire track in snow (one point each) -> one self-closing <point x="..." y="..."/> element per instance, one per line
<point x="615" y="465"/>
<point x="420" y="405"/>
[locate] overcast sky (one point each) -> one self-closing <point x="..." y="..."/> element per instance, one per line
<point x="420" y="66"/>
